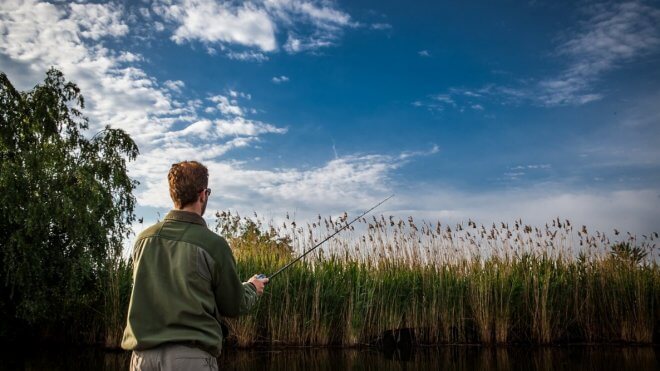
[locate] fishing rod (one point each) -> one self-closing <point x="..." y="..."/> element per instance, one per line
<point x="261" y="276"/>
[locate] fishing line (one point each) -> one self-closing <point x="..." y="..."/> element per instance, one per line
<point x="261" y="276"/>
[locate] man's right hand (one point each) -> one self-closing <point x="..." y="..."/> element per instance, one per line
<point x="258" y="283"/>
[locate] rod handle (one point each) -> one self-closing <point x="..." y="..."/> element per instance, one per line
<point x="262" y="276"/>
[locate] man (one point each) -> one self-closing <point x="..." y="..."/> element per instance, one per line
<point x="184" y="281"/>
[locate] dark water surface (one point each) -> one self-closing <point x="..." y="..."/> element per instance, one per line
<point x="440" y="358"/>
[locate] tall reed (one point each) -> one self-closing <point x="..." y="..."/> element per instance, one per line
<point x="446" y="284"/>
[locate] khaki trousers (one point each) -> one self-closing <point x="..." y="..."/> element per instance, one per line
<point x="173" y="357"/>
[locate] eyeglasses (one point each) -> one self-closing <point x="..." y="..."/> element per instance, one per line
<point x="207" y="191"/>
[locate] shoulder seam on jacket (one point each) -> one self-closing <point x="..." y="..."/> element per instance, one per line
<point x="170" y="239"/>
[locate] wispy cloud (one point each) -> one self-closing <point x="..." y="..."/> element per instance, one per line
<point x="444" y="98"/>
<point x="514" y="175"/>
<point x="335" y="185"/>
<point x="280" y="79"/>
<point x="615" y="33"/>
<point x="424" y="53"/>
<point x="207" y="131"/>
<point x="174" y="85"/>
<point x="296" y="43"/>
<point x="409" y="154"/>
<point x="532" y="166"/>
<point x="380" y="26"/>
<point x="249" y="55"/>
<point x="612" y="35"/>
<point x="451" y="99"/>
<point x="518" y="172"/>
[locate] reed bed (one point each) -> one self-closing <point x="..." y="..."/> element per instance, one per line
<point x="443" y="284"/>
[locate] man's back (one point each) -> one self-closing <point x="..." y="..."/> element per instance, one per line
<point x="184" y="281"/>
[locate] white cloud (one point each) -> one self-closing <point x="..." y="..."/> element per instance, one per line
<point x="342" y="183"/>
<point x="227" y="106"/>
<point x="615" y="32"/>
<point x="445" y="99"/>
<point x="247" y="56"/>
<point x="380" y="26"/>
<point x="211" y="21"/>
<point x="158" y="26"/>
<point x="97" y="20"/>
<point x="424" y="53"/>
<point x="514" y="175"/>
<point x="174" y="85"/>
<point x="200" y="129"/>
<point x="280" y="79"/>
<point x="255" y="24"/>
<point x="239" y="126"/>
<point x="211" y="130"/>
<point x="409" y="154"/>
<point x="294" y="44"/>
<point x="237" y="94"/>
<point x="338" y="181"/>
<point x="437" y="103"/>
<point x="323" y="16"/>
<point x="532" y="166"/>
<point x="469" y="93"/>
<point x="145" y="12"/>
<point x="129" y="57"/>
<point x="318" y="13"/>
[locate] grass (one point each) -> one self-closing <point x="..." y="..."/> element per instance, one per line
<point x="448" y="284"/>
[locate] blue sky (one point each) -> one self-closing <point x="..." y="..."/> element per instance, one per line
<point x="481" y="110"/>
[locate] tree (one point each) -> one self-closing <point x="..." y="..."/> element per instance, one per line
<point x="66" y="203"/>
<point x="246" y="236"/>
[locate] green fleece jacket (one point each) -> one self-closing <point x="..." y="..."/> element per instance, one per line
<point x="184" y="281"/>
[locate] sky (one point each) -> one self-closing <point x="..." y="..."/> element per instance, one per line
<point x="490" y="111"/>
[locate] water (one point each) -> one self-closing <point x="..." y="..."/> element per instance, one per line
<point x="440" y="358"/>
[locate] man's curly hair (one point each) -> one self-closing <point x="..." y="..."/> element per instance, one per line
<point x="186" y="180"/>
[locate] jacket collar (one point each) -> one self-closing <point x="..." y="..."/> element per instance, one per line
<point x="185" y="216"/>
